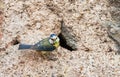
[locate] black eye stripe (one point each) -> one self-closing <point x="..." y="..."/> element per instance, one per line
<point x="53" y="39"/>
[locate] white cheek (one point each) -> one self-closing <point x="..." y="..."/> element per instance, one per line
<point x="51" y="42"/>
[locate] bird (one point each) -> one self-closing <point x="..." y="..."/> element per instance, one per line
<point x="48" y="44"/>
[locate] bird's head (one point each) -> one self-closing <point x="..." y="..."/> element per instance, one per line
<point x="54" y="39"/>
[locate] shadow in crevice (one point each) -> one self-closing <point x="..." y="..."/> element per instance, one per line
<point x="67" y="39"/>
<point x="63" y="42"/>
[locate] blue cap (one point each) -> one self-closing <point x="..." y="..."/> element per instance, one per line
<point x="52" y="35"/>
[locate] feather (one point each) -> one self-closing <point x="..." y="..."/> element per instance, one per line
<point x="43" y="45"/>
<point x="24" y="46"/>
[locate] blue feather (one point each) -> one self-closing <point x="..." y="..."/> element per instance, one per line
<point x="24" y="46"/>
<point x="53" y="35"/>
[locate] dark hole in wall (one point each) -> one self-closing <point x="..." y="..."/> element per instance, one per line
<point x="63" y="43"/>
<point x="15" y="41"/>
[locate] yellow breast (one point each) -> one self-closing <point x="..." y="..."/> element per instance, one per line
<point x="56" y="44"/>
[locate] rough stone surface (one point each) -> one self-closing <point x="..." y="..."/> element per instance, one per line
<point x="115" y="10"/>
<point x="113" y="25"/>
<point x="31" y="20"/>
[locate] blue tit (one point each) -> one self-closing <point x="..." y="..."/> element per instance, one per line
<point x="47" y="44"/>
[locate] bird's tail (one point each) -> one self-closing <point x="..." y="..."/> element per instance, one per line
<point x="24" y="46"/>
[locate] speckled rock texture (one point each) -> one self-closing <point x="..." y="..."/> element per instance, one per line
<point x="113" y="25"/>
<point x="115" y="9"/>
<point x="1" y="18"/>
<point x="28" y="21"/>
